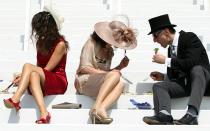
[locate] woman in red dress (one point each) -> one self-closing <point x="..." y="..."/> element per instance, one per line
<point x="48" y="77"/>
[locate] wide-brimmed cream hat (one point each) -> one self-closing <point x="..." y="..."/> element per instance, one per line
<point x="58" y="18"/>
<point x="117" y="34"/>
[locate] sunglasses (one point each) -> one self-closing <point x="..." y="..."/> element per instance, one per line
<point x="157" y="33"/>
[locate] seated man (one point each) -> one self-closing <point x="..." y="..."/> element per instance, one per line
<point x="187" y="72"/>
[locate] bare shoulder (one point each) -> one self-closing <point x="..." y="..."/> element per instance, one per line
<point x="61" y="47"/>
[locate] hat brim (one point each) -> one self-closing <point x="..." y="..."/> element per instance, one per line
<point x="104" y="31"/>
<point x="161" y="27"/>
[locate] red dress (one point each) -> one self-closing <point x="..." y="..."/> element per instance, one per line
<point x="55" y="80"/>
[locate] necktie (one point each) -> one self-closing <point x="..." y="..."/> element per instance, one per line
<point x="173" y="51"/>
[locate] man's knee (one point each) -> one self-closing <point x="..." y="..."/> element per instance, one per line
<point x="196" y="70"/>
<point x="157" y="86"/>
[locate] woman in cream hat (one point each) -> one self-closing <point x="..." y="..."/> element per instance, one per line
<point x="48" y="77"/>
<point x="94" y="77"/>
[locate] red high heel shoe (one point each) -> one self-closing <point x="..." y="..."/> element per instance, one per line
<point x="45" y="120"/>
<point x="10" y="104"/>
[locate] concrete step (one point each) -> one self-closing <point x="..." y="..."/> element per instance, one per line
<point x="72" y="2"/>
<point x="27" y="101"/>
<point x="185" y="23"/>
<point x="16" y="26"/>
<point x="77" y="22"/>
<point x="157" y="12"/>
<point x="163" y="2"/>
<point x="92" y="127"/>
<point x="174" y="18"/>
<point x="80" y="116"/>
<point x="87" y="102"/>
<point x="167" y="6"/>
<point x="19" y="9"/>
<point x="84" y="10"/>
<point x="170" y="4"/>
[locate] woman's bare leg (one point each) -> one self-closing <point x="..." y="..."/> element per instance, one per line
<point x="36" y="90"/>
<point x="110" y="99"/>
<point x="110" y="82"/>
<point x="24" y="82"/>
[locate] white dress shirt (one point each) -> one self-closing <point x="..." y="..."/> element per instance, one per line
<point x="175" y="44"/>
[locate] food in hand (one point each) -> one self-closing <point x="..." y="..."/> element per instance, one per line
<point x="156" y="50"/>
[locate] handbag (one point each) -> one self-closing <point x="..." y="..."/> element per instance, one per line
<point x="67" y="105"/>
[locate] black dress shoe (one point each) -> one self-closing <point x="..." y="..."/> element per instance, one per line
<point x="187" y="119"/>
<point x="160" y="119"/>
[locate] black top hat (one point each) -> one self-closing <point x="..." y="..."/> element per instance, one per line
<point x="159" y="22"/>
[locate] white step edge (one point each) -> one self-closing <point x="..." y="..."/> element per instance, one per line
<point x="81" y="116"/>
<point x="91" y="127"/>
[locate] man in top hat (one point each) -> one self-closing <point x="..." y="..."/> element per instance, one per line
<point x="188" y="72"/>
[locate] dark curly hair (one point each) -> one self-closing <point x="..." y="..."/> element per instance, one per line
<point x="45" y="31"/>
<point x="98" y="40"/>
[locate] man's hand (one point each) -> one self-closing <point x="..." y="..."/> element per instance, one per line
<point x="158" y="58"/>
<point x="157" y="76"/>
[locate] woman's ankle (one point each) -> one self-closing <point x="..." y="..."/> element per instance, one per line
<point x="102" y="113"/>
<point x="43" y="114"/>
<point x="15" y="100"/>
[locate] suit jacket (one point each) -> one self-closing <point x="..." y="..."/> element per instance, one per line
<point x="190" y="52"/>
